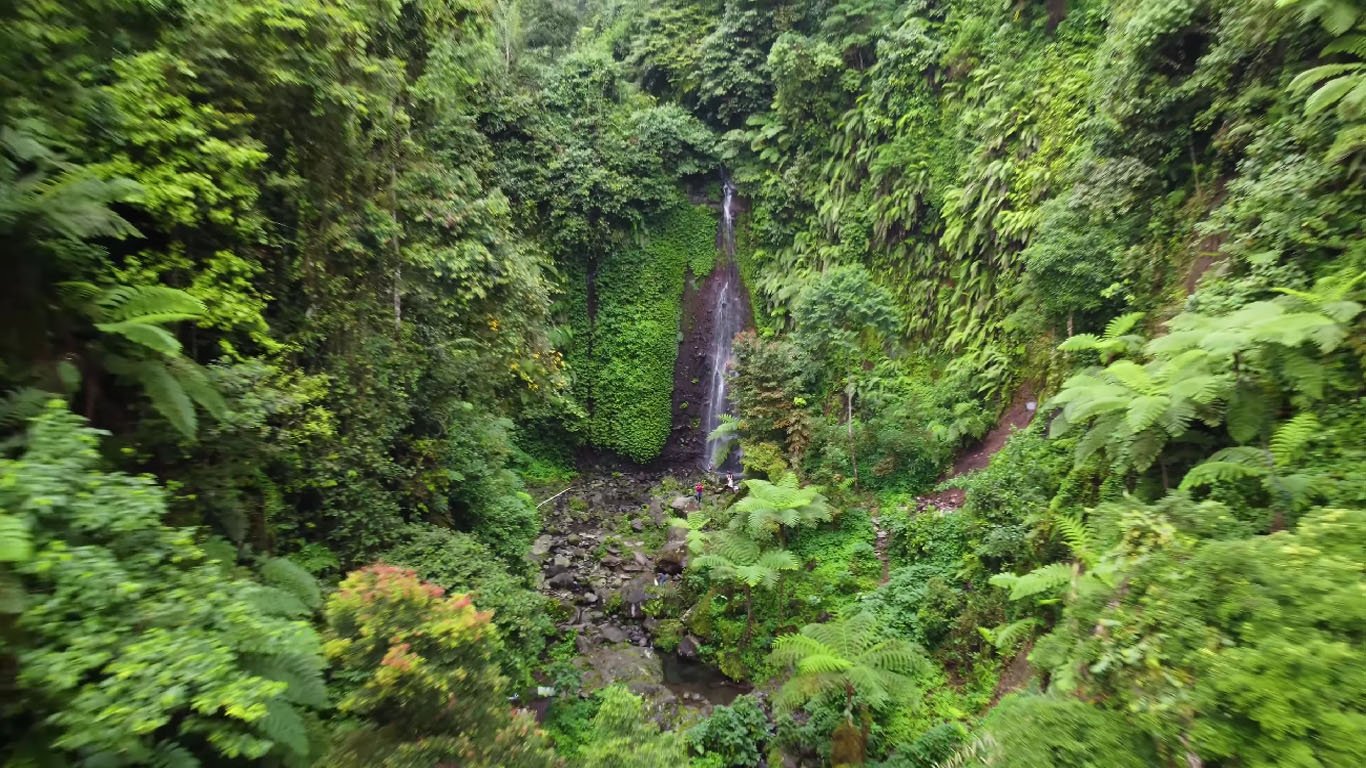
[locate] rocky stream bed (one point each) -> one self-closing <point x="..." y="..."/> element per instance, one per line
<point x="608" y="555"/>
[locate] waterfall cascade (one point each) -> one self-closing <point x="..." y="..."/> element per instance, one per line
<point x="729" y="317"/>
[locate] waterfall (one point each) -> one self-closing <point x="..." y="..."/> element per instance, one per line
<point x="727" y="319"/>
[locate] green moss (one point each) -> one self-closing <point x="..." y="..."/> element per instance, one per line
<point x="628" y="378"/>
<point x="668" y="634"/>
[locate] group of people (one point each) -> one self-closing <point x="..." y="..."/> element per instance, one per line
<point x="731" y="486"/>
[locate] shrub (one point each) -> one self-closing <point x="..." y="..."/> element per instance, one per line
<point x="418" y="671"/>
<point x="458" y="562"/>
<point x="733" y="735"/>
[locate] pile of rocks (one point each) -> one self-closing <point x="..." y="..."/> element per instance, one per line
<point x="604" y="578"/>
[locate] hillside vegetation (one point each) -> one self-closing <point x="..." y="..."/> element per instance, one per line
<point x="311" y="304"/>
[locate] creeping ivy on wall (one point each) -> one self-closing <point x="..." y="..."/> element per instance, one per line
<point x="627" y="371"/>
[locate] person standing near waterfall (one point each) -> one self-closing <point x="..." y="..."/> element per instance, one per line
<point x="697" y="489"/>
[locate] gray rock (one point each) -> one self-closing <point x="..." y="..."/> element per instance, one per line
<point x="637" y="525"/>
<point x="541" y="547"/>
<point x="613" y="634"/>
<point x="687" y="647"/>
<point x="672" y="557"/>
<point x="641" y="559"/>
<point x="634" y="593"/>
<point x="605" y="665"/>
<point x="589" y="598"/>
<point x="563" y="580"/>
<point x="681" y="503"/>
<point x="582" y="644"/>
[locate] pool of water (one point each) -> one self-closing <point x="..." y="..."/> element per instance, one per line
<point x="691" y="676"/>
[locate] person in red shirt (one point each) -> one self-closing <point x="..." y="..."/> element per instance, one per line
<point x="697" y="489"/>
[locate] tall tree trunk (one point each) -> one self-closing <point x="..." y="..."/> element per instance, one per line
<point x="749" y="613"/>
<point x="849" y="422"/>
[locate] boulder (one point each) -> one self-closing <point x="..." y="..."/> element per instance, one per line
<point x="687" y="647"/>
<point x="606" y="665"/>
<point x="564" y="580"/>
<point x="613" y="634"/>
<point x="557" y="566"/>
<point x="672" y="557"/>
<point x="541" y="547"/>
<point x="636" y="591"/>
<point x="681" y="503"/>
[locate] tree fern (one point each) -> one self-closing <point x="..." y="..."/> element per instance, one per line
<point x="53" y="196"/>
<point x="1233" y="368"/>
<point x="150" y="355"/>
<point x="771" y="507"/>
<point x="849" y="659"/>
<point x="1271" y="467"/>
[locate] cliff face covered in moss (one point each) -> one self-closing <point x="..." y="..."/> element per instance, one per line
<point x="336" y="337"/>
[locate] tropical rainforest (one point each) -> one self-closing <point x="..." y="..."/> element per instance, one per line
<point x="350" y="375"/>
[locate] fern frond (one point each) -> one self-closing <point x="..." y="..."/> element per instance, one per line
<point x="1080" y="342"/>
<point x="194" y="379"/>
<point x="1131" y="375"/>
<point x="1010" y="635"/>
<point x="1144" y="411"/>
<point x="1289" y="439"/>
<point x="790" y="649"/>
<point x="131" y="302"/>
<point x="283" y="725"/>
<point x="166" y="393"/>
<point x="153" y="337"/>
<point x="302" y="675"/>
<point x="1142" y="450"/>
<point x="20" y="405"/>
<point x="1073" y="531"/>
<point x="1211" y="472"/>
<point x="1044" y="579"/>
<point x="170" y="755"/>
<point x="1248" y="413"/>
<point x="284" y="574"/>
<point x="1122" y="325"/>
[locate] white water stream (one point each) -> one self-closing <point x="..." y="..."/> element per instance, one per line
<point x="728" y="319"/>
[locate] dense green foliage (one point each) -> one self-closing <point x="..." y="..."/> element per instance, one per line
<point x="134" y="646"/>
<point x="1052" y="413"/>
<point x="626" y="371"/>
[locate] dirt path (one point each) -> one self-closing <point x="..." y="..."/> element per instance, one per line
<point x="1017" y="416"/>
